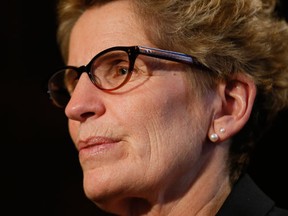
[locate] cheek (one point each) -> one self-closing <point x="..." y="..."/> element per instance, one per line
<point x="166" y="117"/>
<point x="73" y="129"/>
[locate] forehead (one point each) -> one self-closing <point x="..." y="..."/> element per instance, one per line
<point x="101" y="27"/>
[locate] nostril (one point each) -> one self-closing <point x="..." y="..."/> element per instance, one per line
<point x="87" y="115"/>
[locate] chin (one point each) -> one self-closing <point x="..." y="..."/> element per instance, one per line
<point x="101" y="184"/>
<point x="104" y="192"/>
<point x="95" y="188"/>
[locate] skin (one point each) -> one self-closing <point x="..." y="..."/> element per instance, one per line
<point x="145" y="150"/>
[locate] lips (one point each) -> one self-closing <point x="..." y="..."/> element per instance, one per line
<point x="98" y="147"/>
<point x="95" y="141"/>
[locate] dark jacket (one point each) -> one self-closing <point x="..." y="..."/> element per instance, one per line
<point x="247" y="199"/>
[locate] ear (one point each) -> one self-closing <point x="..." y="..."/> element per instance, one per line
<point x="231" y="114"/>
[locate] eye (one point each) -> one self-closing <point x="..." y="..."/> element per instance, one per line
<point x="112" y="66"/>
<point x="111" y="69"/>
<point x="121" y="71"/>
<point x="116" y="69"/>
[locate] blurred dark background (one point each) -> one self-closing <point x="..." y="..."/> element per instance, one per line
<point x="40" y="173"/>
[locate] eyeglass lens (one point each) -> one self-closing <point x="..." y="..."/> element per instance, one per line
<point x="108" y="71"/>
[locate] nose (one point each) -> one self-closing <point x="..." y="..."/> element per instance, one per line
<point x="85" y="101"/>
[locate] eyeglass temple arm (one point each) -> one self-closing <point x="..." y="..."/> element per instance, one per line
<point x="169" y="55"/>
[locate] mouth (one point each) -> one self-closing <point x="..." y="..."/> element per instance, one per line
<point x="95" y="145"/>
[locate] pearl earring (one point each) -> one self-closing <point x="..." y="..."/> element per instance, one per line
<point x="214" y="137"/>
<point x="222" y="130"/>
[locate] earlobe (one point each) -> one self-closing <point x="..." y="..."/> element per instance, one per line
<point x="237" y="99"/>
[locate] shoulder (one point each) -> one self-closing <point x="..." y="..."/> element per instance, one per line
<point x="275" y="211"/>
<point x="247" y="199"/>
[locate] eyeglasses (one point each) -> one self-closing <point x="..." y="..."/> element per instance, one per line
<point x="109" y="70"/>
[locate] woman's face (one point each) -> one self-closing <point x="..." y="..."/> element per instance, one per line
<point x="134" y="142"/>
